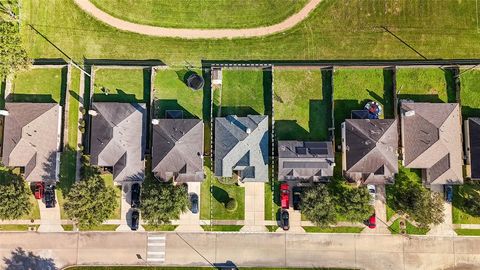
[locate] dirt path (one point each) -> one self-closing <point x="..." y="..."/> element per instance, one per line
<point x="197" y="33"/>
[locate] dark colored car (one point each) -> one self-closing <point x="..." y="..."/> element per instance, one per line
<point x="135" y="198"/>
<point x="194" y="203"/>
<point x="297" y="199"/>
<point x="39" y="190"/>
<point x="284" y="219"/>
<point x="135" y="220"/>
<point x="49" y="196"/>
<point x="448" y="190"/>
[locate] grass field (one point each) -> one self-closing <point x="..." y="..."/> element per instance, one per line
<point x="272" y="200"/>
<point x="35" y="210"/>
<point x="172" y="93"/>
<point x="409" y="228"/>
<point x="108" y="178"/>
<point x="124" y="85"/>
<point x="222" y="228"/>
<point x="14" y="227"/>
<point x="213" y="199"/>
<point x="353" y="88"/>
<point x="460" y="213"/>
<point x="167" y="227"/>
<point x="301" y="109"/>
<point x="312" y="229"/>
<point x="39" y="85"/>
<point x="102" y="227"/>
<point x="243" y="92"/>
<point x="470" y="92"/>
<point x="469" y="232"/>
<point x="202" y="13"/>
<point x="425" y="85"/>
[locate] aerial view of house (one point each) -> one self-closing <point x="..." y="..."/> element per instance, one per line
<point x="118" y="139"/>
<point x="432" y="141"/>
<point x="177" y="150"/>
<point x="241" y="147"/>
<point x="31" y="140"/>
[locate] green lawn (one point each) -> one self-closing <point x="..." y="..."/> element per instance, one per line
<point x="353" y="88"/>
<point x="67" y="227"/>
<point x="14" y="227"/>
<point x="301" y="110"/>
<point x="122" y="85"/>
<point x="166" y="227"/>
<point x="108" y="178"/>
<point x="102" y="227"/>
<point x="470" y="232"/>
<point x="213" y="199"/>
<point x="272" y="228"/>
<point x="409" y="229"/>
<point x="222" y="228"/>
<point x="312" y="229"/>
<point x="272" y="200"/>
<point x="460" y="213"/>
<point x="470" y="92"/>
<point x="39" y="85"/>
<point x="425" y="85"/>
<point x="173" y="94"/>
<point x="243" y="92"/>
<point x="202" y="13"/>
<point x="35" y="210"/>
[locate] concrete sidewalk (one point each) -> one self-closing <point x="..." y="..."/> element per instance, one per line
<point x="50" y="220"/>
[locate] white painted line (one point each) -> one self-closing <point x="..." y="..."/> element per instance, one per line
<point x="155" y="259"/>
<point x="156" y="252"/>
<point x="156" y="237"/>
<point x="156" y="244"/>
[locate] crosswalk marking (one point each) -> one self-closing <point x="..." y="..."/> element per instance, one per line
<point x="156" y="248"/>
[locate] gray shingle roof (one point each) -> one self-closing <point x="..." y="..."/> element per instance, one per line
<point x="241" y="144"/>
<point x="178" y="150"/>
<point x="118" y="137"/>
<point x="431" y="137"/>
<point x="370" y="149"/>
<point x="31" y="139"/>
<point x="298" y="160"/>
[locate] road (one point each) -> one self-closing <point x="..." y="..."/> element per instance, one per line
<point x="288" y="23"/>
<point x="244" y="249"/>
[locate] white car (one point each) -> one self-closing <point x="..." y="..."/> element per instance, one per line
<point x="372" y="190"/>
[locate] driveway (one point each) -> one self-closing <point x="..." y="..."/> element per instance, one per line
<point x="190" y="222"/>
<point x="380" y="206"/>
<point x="50" y="220"/>
<point x="254" y="207"/>
<point x="126" y="210"/>
<point x="446" y="227"/>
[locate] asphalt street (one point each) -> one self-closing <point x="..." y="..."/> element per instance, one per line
<point x="56" y="250"/>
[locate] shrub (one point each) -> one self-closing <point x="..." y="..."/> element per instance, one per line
<point x="231" y="205"/>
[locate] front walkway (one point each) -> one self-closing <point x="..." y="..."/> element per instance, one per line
<point x="49" y="218"/>
<point x="254" y="207"/>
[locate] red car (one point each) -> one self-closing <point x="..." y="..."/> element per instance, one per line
<point x="284" y="196"/>
<point x="39" y="190"/>
<point x="372" y="222"/>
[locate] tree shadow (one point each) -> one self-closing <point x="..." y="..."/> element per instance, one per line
<point x="22" y="260"/>
<point x="75" y="96"/>
<point x="220" y="195"/>
<point x="163" y="105"/>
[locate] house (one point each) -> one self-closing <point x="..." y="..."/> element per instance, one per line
<point x="177" y="150"/>
<point x="432" y="141"/>
<point x="305" y="161"/>
<point x="31" y="140"/>
<point x="472" y="147"/>
<point x="241" y="147"/>
<point x="369" y="150"/>
<point x="118" y="139"/>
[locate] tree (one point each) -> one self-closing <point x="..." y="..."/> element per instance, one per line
<point x="318" y="205"/>
<point x="90" y="201"/>
<point x="231" y="205"/>
<point x="7" y="10"/>
<point x="14" y="194"/>
<point x="12" y="56"/>
<point x="162" y="202"/>
<point x="419" y="203"/>
<point x="354" y="203"/>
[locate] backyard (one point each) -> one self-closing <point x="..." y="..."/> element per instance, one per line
<point x="302" y="105"/>
<point x="172" y="93"/>
<point x="470" y="92"/>
<point x="121" y="85"/>
<point x="425" y="84"/>
<point x="39" y="85"/>
<point x="243" y="92"/>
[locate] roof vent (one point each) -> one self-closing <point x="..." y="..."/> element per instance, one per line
<point x="409" y="113"/>
<point x="155" y="122"/>
<point x="4" y="112"/>
<point x="92" y="112"/>
<point x="248" y="131"/>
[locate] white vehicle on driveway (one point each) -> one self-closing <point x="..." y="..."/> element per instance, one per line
<point x="373" y="191"/>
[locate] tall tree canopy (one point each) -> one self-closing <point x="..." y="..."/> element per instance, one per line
<point x="319" y="206"/>
<point x="162" y="202"/>
<point x="354" y="203"/>
<point x="12" y="55"/>
<point x="14" y="195"/>
<point x="90" y="201"/>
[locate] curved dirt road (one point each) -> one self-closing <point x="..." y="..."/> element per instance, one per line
<point x="102" y="16"/>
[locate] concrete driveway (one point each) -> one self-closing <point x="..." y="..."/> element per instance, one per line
<point x="380" y="206"/>
<point x="446" y="227"/>
<point x="254" y="207"/>
<point x="190" y="222"/>
<point x="126" y="210"/>
<point x="50" y="220"/>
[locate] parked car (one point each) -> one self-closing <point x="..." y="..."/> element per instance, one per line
<point x="373" y="191"/>
<point x="448" y="190"/>
<point x="194" y="203"/>
<point x="135" y="220"/>
<point x="284" y="196"/>
<point x="371" y="222"/>
<point x="135" y="197"/>
<point x="284" y="219"/>
<point x="39" y="190"/>
<point x="49" y="196"/>
<point x="297" y="198"/>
